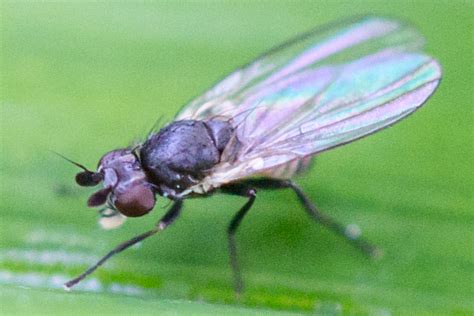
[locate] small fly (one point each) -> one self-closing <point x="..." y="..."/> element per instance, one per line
<point x="264" y="123"/>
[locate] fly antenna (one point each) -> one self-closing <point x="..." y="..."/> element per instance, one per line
<point x="71" y="161"/>
<point x="85" y="178"/>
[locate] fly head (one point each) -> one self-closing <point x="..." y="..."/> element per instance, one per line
<point x="126" y="188"/>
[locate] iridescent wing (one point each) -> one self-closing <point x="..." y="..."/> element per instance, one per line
<point x="323" y="89"/>
<point x="334" y="44"/>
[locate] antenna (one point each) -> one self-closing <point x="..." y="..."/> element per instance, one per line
<point x="86" y="178"/>
<point x="71" y="161"/>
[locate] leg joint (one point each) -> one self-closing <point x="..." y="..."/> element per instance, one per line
<point x="251" y="192"/>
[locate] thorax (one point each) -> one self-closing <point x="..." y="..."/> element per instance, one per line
<point x="183" y="153"/>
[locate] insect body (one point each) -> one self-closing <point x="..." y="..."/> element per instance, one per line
<point x="264" y="122"/>
<point x="181" y="154"/>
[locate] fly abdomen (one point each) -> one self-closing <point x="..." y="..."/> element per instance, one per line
<point x="179" y="155"/>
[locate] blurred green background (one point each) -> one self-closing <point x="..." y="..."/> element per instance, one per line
<point x="85" y="78"/>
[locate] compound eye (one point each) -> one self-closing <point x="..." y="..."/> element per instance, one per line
<point x="88" y="178"/>
<point x="137" y="201"/>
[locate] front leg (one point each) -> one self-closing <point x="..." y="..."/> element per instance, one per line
<point x="164" y="222"/>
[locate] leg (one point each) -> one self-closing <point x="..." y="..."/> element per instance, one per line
<point x="165" y="221"/>
<point x="232" y="229"/>
<point x="325" y="220"/>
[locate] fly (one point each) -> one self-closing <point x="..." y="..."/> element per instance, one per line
<point x="265" y="122"/>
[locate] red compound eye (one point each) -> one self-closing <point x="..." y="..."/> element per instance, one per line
<point x="137" y="201"/>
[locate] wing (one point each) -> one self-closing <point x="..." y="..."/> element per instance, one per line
<point x="333" y="44"/>
<point x="322" y="90"/>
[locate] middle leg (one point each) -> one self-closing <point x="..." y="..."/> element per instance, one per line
<point x="251" y="194"/>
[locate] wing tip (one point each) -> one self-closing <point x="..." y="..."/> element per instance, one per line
<point x="437" y="78"/>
